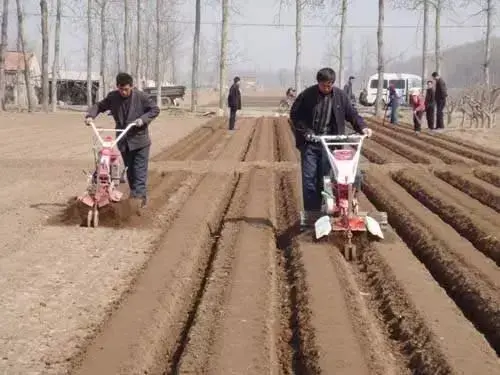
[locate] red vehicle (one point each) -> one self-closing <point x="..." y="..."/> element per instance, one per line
<point x="108" y="173"/>
<point x="342" y="215"/>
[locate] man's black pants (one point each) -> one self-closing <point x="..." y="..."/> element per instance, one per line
<point x="417" y="121"/>
<point x="315" y="166"/>
<point x="439" y="113"/>
<point x="137" y="173"/>
<point x="232" y="118"/>
<point x="429" y="114"/>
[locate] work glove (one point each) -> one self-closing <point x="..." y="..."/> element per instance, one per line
<point x="88" y="121"/>
<point x="139" y="123"/>
<point x="309" y="137"/>
<point x="368" y="132"/>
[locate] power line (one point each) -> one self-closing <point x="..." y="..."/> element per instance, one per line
<point x="282" y="25"/>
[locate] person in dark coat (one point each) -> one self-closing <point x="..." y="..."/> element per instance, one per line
<point x="234" y="101"/>
<point x="440" y="97"/>
<point x="127" y="104"/>
<point x="394" y="101"/>
<point x="349" y="90"/>
<point x="430" y="105"/>
<point x="321" y="109"/>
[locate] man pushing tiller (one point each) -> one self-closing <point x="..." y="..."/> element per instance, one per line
<point x="127" y="105"/>
<point x="321" y="109"/>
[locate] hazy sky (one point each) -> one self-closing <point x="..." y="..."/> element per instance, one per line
<point x="265" y="48"/>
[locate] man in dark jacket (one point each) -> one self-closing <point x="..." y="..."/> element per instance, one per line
<point x="320" y="110"/>
<point x="440" y="97"/>
<point x="127" y="104"/>
<point x="349" y="91"/>
<point x="234" y="101"/>
<point x="394" y="102"/>
<point x="430" y="105"/>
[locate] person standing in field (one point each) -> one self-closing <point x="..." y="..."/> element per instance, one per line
<point x="349" y="90"/>
<point x="234" y="101"/>
<point x="440" y="97"/>
<point x="430" y="104"/>
<point x="394" y="102"/>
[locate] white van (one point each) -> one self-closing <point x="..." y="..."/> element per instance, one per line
<point x="402" y="82"/>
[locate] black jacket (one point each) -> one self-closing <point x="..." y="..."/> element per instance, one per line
<point x="302" y="112"/>
<point x="234" y="97"/>
<point x="124" y="111"/>
<point x="348" y="91"/>
<point x="430" y="100"/>
<point x="441" y="90"/>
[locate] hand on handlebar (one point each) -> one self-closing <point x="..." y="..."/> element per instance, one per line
<point x="310" y="137"/>
<point x="368" y="132"/>
<point x="88" y="121"/>
<point x="139" y="123"/>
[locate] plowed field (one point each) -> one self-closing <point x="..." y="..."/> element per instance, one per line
<point x="216" y="277"/>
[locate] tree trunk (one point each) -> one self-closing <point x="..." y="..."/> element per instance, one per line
<point x="158" y="54"/>
<point x="196" y="56"/>
<point x="17" y="95"/>
<point x="126" y="38"/>
<point x="104" y="44"/>
<point x="55" y="63"/>
<point x="425" y="43"/>
<point x="45" y="54"/>
<point x="3" y="52"/>
<point x="138" y="51"/>
<point x="341" y="42"/>
<point x="487" y="43"/>
<point x="299" y="6"/>
<point x="22" y="38"/>
<point x="89" y="52"/>
<point x="223" y="55"/>
<point x="380" y="46"/>
<point x="148" y="69"/>
<point x="437" y="44"/>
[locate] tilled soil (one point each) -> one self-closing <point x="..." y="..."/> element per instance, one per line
<point x="227" y="284"/>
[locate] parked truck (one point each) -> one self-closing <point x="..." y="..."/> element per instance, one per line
<point x="170" y="95"/>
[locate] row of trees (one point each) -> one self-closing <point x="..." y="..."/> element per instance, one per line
<point x="141" y="41"/>
<point x="148" y="17"/>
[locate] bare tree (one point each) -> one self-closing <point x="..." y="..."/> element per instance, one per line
<point x="3" y="52"/>
<point x="22" y="39"/>
<point x="414" y="5"/>
<point x="45" y="54"/>
<point x="126" y="38"/>
<point x="299" y="7"/>
<point x="490" y="10"/>
<point x="104" y="43"/>
<point x="425" y="41"/>
<point x="55" y="63"/>
<point x="89" y="51"/>
<point x="196" y="56"/>
<point x="159" y="80"/>
<point x="380" y="46"/>
<point x="438" y="6"/>
<point x="138" y="51"/>
<point x="223" y="55"/>
<point x="343" y="21"/>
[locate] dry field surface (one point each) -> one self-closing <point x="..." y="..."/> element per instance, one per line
<point x="216" y="278"/>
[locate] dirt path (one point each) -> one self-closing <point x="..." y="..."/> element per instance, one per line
<point x="59" y="283"/>
<point x="376" y="153"/>
<point x="474" y="187"/>
<point x="217" y="278"/>
<point x="472" y="220"/>
<point x="470" y="279"/>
